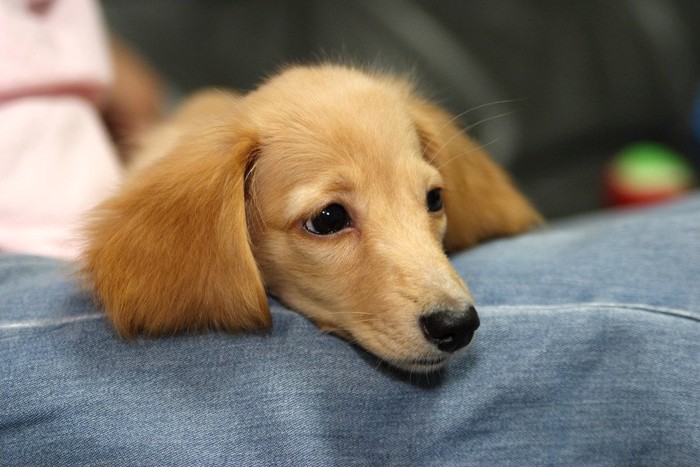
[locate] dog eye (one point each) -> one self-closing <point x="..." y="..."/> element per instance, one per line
<point x="332" y="219"/>
<point x="434" y="200"/>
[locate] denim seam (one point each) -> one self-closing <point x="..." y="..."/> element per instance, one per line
<point x="47" y="323"/>
<point x="678" y="313"/>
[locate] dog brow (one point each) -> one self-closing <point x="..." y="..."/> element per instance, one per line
<point x="309" y="197"/>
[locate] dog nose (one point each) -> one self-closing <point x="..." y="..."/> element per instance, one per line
<point x="450" y="330"/>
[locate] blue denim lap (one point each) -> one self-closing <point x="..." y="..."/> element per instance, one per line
<point x="588" y="353"/>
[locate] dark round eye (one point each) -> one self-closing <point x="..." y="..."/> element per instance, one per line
<point x="332" y="219"/>
<point x="434" y="200"/>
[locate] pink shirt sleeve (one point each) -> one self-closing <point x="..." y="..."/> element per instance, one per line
<point x="56" y="159"/>
<point x="52" y="46"/>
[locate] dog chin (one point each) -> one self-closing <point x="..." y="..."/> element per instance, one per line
<point x="421" y="365"/>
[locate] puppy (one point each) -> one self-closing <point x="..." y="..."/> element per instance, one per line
<point x="335" y="190"/>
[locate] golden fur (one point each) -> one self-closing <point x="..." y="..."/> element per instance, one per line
<point x="213" y="214"/>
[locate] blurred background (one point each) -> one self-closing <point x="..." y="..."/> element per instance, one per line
<point x="554" y="89"/>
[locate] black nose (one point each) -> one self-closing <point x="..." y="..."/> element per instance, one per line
<point x="450" y="330"/>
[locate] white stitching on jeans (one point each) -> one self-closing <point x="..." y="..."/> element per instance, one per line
<point x="688" y="314"/>
<point x="51" y="322"/>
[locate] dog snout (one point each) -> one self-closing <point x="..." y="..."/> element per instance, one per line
<point x="450" y="330"/>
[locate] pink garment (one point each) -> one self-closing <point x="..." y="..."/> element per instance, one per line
<point x="56" y="158"/>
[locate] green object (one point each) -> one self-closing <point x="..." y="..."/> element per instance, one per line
<point x="652" y="166"/>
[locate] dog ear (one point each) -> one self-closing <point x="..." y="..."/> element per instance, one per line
<point x="171" y="251"/>
<point x="480" y="200"/>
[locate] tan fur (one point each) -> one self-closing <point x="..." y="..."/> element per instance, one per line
<point x="480" y="200"/>
<point x="191" y="242"/>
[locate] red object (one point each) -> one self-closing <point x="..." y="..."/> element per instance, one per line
<point x="618" y="194"/>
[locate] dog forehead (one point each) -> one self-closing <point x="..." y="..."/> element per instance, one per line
<point x="341" y="122"/>
<point x="336" y="133"/>
<point x="298" y="182"/>
<point x="359" y="121"/>
<point x="341" y="150"/>
<point x="338" y="105"/>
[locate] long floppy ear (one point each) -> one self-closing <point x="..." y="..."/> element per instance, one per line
<point x="480" y="200"/>
<point x="171" y="251"/>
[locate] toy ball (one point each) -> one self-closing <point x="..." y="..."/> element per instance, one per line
<point x="645" y="173"/>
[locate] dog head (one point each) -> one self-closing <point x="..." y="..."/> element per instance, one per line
<point x="335" y="190"/>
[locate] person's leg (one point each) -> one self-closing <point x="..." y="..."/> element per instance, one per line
<point x="587" y="353"/>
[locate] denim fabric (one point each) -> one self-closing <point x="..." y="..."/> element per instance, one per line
<point x="588" y="353"/>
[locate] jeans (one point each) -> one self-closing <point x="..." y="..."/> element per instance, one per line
<point x="588" y="353"/>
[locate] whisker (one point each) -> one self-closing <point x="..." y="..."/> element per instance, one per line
<point x="380" y="363"/>
<point x="484" y="120"/>
<point x="476" y="148"/>
<point x="361" y="313"/>
<point x="466" y="129"/>
<point x="458" y="116"/>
